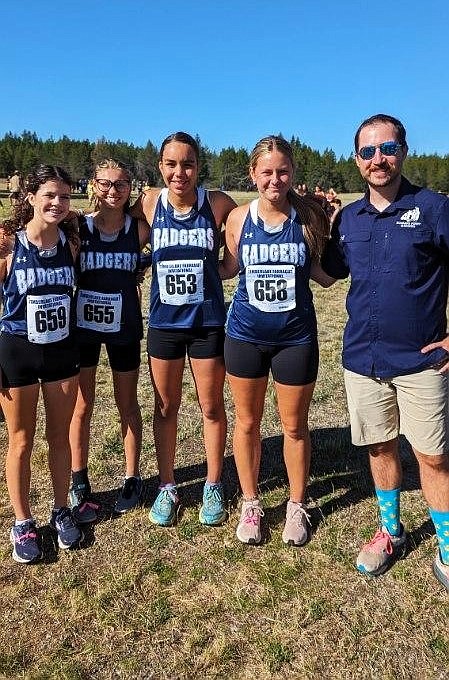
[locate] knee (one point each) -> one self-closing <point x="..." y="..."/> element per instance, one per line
<point x="247" y="425"/>
<point x="166" y="410"/>
<point x="296" y="432"/>
<point x="212" y="410"/>
<point x="438" y="463"/>
<point x="83" y="409"/>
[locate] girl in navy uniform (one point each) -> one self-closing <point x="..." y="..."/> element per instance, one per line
<point x="186" y="317"/>
<point x="108" y="311"/>
<point x="273" y="243"/>
<point x="38" y="352"/>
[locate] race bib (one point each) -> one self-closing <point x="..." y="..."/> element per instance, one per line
<point x="271" y="288"/>
<point x="100" y="312"/>
<point x="48" y="318"/>
<point x="180" y="282"/>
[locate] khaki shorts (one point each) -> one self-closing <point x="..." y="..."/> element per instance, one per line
<point x="414" y="405"/>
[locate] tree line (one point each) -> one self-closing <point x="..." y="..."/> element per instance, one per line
<point x="227" y="169"/>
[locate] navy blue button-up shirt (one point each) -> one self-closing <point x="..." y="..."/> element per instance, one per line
<point x="398" y="261"/>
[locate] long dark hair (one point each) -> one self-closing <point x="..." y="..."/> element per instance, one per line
<point x="313" y="218"/>
<point x="23" y="211"/>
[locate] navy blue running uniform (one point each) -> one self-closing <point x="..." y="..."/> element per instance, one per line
<point x="273" y="302"/>
<point x="36" y="338"/>
<point x="108" y="307"/>
<point x="38" y="292"/>
<point x="186" y="290"/>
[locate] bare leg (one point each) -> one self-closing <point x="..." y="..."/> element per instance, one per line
<point x="385" y="465"/>
<point x="434" y="473"/>
<point x="82" y="416"/>
<point x="249" y="397"/>
<point x="19" y="405"/>
<point x="209" y="377"/>
<point x="293" y="404"/>
<point x="125" y="392"/>
<point x="166" y="376"/>
<point x="59" y="400"/>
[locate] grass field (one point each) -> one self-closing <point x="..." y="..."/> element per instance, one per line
<point x="190" y="602"/>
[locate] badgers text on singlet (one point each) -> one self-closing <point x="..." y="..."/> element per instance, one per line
<point x="258" y="253"/>
<point x="200" y="237"/>
<point x="122" y="261"/>
<point x="33" y="277"/>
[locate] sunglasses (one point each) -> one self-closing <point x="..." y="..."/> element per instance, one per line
<point x="119" y="184"/>
<point x="386" y="149"/>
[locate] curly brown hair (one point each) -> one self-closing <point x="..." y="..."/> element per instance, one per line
<point x="23" y="212"/>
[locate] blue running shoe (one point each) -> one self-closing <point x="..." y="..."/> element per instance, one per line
<point x="129" y="496"/>
<point x="84" y="510"/>
<point x="25" y="542"/>
<point x="69" y="535"/>
<point x="213" y="511"/>
<point x="165" y="507"/>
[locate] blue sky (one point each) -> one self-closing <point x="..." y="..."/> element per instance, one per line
<point x="231" y="71"/>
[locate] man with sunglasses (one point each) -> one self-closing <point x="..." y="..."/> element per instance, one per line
<point x="394" y="242"/>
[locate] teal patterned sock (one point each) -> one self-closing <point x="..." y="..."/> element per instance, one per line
<point x="389" y="510"/>
<point x="441" y="521"/>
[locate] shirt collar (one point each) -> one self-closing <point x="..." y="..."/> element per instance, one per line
<point x="405" y="198"/>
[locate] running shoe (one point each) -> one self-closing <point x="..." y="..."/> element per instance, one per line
<point x="25" y="541"/>
<point x="69" y="535"/>
<point x="296" y="521"/>
<point x="164" y="509"/>
<point x="441" y="571"/>
<point x="381" y="551"/>
<point x="129" y="496"/>
<point x="84" y="510"/>
<point x="213" y="511"/>
<point x="248" y="528"/>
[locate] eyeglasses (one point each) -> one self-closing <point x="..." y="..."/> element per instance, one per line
<point x="119" y="185"/>
<point x="366" y="153"/>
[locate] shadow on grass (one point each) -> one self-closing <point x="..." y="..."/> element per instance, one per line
<point x="339" y="477"/>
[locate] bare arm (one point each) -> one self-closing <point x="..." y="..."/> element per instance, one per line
<point x="318" y="275"/>
<point x="229" y="265"/>
<point x="145" y="206"/>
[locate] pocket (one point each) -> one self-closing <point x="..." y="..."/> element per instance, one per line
<point x="357" y="249"/>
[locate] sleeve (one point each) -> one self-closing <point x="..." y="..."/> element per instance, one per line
<point x="333" y="259"/>
<point x="442" y="229"/>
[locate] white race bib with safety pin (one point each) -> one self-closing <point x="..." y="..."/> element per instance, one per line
<point x="100" y="312"/>
<point x="271" y="288"/>
<point x="180" y="282"/>
<point x="48" y="318"/>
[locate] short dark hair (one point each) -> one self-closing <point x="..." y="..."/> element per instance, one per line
<point x="382" y="118"/>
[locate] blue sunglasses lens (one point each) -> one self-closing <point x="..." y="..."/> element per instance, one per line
<point x="386" y="149"/>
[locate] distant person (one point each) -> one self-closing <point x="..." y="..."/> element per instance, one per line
<point x="394" y="242"/>
<point x="38" y="351"/>
<point x="108" y="312"/>
<point x="274" y="243"/>
<point x="186" y="318"/>
<point x="335" y="205"/>
<point x="15" y="187"/>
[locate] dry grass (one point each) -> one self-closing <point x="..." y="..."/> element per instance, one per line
<point x="191" y="602"/>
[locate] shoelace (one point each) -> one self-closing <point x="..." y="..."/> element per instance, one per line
<point x="253" y="513"/>
<point x="65" y="520"/>
<point x="213" y="495"/>
<point x="88" y="504"/>
<point x="30" y="534"/>
<point x="167" y="497"/>
<point x="299" y="512"/>
<point x="381" y="539"/>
